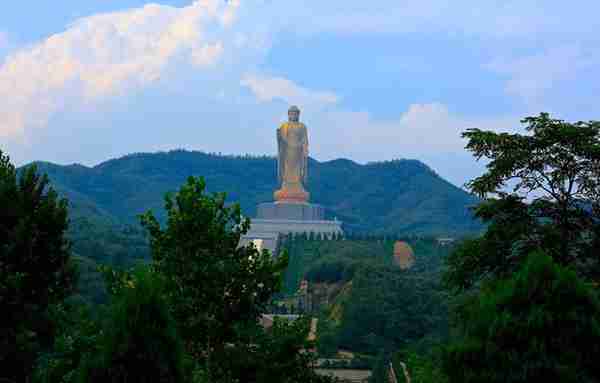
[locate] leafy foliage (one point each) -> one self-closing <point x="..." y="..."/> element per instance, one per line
<point x="422" y="366"/>
<point x="214" y="288"/>
<point x="380" y="370"/>
<point x="373" y="305"/>
<point x="560" y="158"/>
<point x="91" y="286"/>
<point x="331" y="271"/>
<point x="212" y="283"/>
<point x="330" y="261"/>
<point x="118" y="245"/>
<point x="520" y="306"/>
<point x="558" y="167"/>
<point x="280" y="354"/>
<point x="35" y="268"/>
<point x="78" y="334"/>
<point x="388" y="308"/>
<point x="542" y="324"/>
<point x="499" y="251"/>
<point x="139" y="342"/>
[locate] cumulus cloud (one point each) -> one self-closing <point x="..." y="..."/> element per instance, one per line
<point x="227" y="47"/>
<point x="278" y="88"/>
<point x="430" y="132"/>
<point x="534" y="77"/>
<point x="422" y="129"/>
<point x="105" y="54"/>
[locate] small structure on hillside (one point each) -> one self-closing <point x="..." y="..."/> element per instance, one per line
<point x="267" y="320"/>
<point x="445" y="241"/>
<point x="268" y="241"/>
<point x="404" y="256"/>
<point x="258" y="243"/>
<point x="304" y="301"/>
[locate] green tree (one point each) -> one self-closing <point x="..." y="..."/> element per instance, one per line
<point x="541" y="324"/>
<point x="212" y="283"/>
<point x="389" y="308"/>
<point x="327" y="340"/>
<point x="77" y="336"/>
<point x="280" y="354"/>
<point x="557" y="168"/>
<point x="35" y="268"/>
<point x="422" y="367"/>
<point x="139" y="342"/>
<point x="381" y="367"/>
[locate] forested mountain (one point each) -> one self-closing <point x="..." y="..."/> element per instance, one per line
<point x="400" y="196"/>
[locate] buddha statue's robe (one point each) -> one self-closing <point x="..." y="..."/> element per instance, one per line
<point x="292" y="139"/>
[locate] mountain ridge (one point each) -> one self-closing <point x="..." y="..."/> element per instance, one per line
<point x="399" y="196"/>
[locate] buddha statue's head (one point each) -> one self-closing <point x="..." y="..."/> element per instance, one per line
<point x="294" y="114"/>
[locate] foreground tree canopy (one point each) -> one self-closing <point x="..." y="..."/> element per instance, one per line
<point x="212" y="283"/>
<point x="189" y="316"/>
<point x="541" y="325"/>
<point x="139" y="342"/>
<point x="557" y="168"/>
<point x="35" y="268"/>
<point x="525" y="308"/>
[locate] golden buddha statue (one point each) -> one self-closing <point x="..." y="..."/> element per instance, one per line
<point x="292" y="141"/>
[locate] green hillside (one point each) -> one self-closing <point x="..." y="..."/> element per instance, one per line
<point x="365" y="302"/>
<point x="339" y="260"/>
<point x="400" y="196"/>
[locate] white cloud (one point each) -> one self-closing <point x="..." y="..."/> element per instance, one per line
<point x="428" y="132"/>
<point x="533" y="78"/>
<point x="227" y="43"/>
<point x="278" y="88"/>
<point x="228" y="17"/>
<point x="421" y="130"/>
<point x="105" y="54"/>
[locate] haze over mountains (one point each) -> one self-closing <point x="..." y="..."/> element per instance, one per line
<point x="400" y="196"/>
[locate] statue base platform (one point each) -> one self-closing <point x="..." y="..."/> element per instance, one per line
<point x="268" y="232"/>
<point x="275" y="219"/>
<point x="290" y="210"/>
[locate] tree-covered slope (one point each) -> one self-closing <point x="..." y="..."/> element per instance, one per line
<point x="365" y="302"/>
<point x="401" y="196"/>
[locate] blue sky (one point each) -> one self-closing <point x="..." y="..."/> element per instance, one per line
<point x="85" y="81"/>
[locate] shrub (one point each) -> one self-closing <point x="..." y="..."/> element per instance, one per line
<point x="140" y="342"/>
<point x="542" y="324"/>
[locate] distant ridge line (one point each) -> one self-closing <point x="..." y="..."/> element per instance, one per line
<point x="393" y="196"/>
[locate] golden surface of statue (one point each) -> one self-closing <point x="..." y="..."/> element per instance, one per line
<point x="292" y="159"/>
